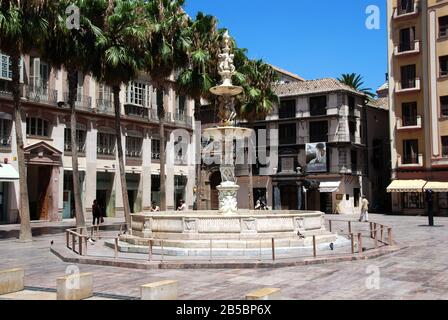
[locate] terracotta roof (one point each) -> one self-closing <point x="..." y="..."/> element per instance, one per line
<point x="381" y="103"/>
<point x="311" y="87"/>
<point x="287" y="73"/>
<point x="385" y="86"/>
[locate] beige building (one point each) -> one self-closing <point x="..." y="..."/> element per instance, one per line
<point x="46" y="122"/>
<point x="418" y="91"/>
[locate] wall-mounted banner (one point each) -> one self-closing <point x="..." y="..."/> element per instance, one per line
<point x="316" y="157"/>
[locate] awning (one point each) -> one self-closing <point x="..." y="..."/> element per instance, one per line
<point x="406" y="186"/>
<point x="8" y="173"/>
<point x="437" y="186"/>
<point x="329" y="186"/>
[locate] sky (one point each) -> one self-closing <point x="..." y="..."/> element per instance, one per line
<point x="314" y="39"/>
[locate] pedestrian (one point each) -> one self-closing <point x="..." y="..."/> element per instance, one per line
<point x="155" y="207"/>
<point x="97" y="213"/>
<point x="364" y="209"/>
<point x="183" y="206"/>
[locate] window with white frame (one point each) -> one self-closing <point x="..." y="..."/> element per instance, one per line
<point x="138" y="93"/>
<point x="6" y="70"/>
<point x="80" y="137"/>
<point x="134" y="147"/>
<point x="106" y="143"/>
<point x="155" y="149"/>
<point x="37" y="127"/>
<point x="5" y="132"/>
<point x="39" y="74"/>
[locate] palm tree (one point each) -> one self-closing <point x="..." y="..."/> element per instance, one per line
<point x="167" y="45"/>
<point x="123" y="56"/>
<point x="76" y="50"/>
<point x="257" y="78"/>
<point x="201" y="73"/>
<point x="356" y="82"/>
<point x="22" y="28"/>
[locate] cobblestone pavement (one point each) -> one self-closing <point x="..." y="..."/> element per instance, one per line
<point x="419" y="271"/>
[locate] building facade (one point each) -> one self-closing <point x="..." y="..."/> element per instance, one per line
<point x="418" y="91"/>
<point x="46" y="127"/>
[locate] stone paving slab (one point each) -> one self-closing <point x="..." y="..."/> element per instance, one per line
<point x="402" y="275"/>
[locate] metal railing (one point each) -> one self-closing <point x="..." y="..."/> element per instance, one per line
<point x="41" y="94"/>
<point x="82" y="102"/>
<point x="105" y="106"/>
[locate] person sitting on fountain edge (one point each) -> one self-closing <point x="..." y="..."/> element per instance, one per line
<point x="183" y="206"/>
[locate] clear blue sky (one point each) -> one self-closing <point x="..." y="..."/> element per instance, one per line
<point x="314" y="39"/>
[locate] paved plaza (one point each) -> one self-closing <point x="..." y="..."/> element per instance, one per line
<point x="418" y="271"/>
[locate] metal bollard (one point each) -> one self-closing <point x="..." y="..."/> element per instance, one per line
<point x="391" y="241"/>
<point x="376" y="237"/>
<point x="67" y="236"/>
<point x="116" y="248"/>
<point x="371" y="230"/>
<point x="80" y="244"/>
<point x="314" y="247"/>
<point x="330" y="224"/>
<point x="349" y="227"/>
<point x="273" y="249"/>
<point x="382" y="233"/>
<point x="360" y="249"/>
<point x="150" y="250"/>
<point x="352" y="240"/>
<point x="73" y="242"/>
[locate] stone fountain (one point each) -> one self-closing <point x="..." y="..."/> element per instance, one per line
<point x="231" y="231"/>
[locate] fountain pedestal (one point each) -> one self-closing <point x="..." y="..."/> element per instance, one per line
<point x="228" y="203"/>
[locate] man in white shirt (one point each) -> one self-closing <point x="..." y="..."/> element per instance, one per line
<point x="183" y="206"/>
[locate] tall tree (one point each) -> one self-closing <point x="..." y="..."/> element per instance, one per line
<point x="23" y="27"/>
<point x="257" y="78"/>
<point x="123" y="56"/>
<point x="356" y="82"/>
<point x="201" y="73"/>
<point x="167" y="43"/>
<point x="74" y="48"/>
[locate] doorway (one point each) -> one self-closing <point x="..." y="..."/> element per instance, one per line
<point x="69" y="196"/>
<point x="38" y="179"/>
<point x="326" y="205"/>
<point x="215" y="181"/>
<point x="133" y="183"/>
<point x="289" y="197"/>
<point x="104" y="194"/>
<point x="3" y="202"/>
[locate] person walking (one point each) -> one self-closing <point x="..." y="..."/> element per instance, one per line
<point x="364" y="210"/>
<point x="97" y="213"/>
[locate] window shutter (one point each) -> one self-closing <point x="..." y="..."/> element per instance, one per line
<point x="35" y="78"/>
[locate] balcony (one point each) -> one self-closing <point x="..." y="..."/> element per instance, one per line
<point x="104" y="106"/>
<point x="41" y="94"/>
<point x="410" y="161"/>
<point x="411" y="85"/>
<point x="81" y="148"/>
<point x="401" y="13"/>
<point x="182" y="119"/>
<point x="409" y="123"/>
<point x="407" y="48"/>
<point x="136" y="111"/>
<point x="83" y="103"/>
<point x="134" y="154"/>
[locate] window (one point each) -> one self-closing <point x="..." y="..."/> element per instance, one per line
<point x="137" y="93"/>
<point x="105" y="98"/>
<point x="318" y="131"/>
<point x="5" y="132"/>
<point x="352" y="127"/>
<point x="155" y="149"/>
<point x="106" y="144"/>
<point x="405" y="6"/>
<point x="407" y="39"/>
<point x="80" y="136"/>
<point x="444" y="106"/>
<point x="408" y="76"/>
<point x="443" y="61"/>
<point x="445" y="146"/>
<point x="354" y="160"/>
<point x="410" y="150"/>
<point x="351" y="104"/>
<point x="318" y="106"/>
<point x="39" y="75"/>
<point x="6" y="71"/>
<point x="134" y="147"/>
<point x="413" y="200"/>
<point x="409" y="113"/>
<point x="37" y="127"/>
<point x="287" y="109"/>
<point x="181" y="107"/>
<point x="443" y="26"/>
<point x="287" y="134"/>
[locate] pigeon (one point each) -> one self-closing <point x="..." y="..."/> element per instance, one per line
<point x="332" y="246"/>
<point x="52" y="242"/>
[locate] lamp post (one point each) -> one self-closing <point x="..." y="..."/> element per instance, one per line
<point x="429" y="201"/>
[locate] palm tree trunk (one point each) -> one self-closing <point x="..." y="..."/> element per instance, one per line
<point x="197" y="105"/>
<point x="163" y="205"/>
<point x="251" y="186"/>
<point x="122" y="169"/>
<point x="24" y="207"/>
<point x="72" y="93"/>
